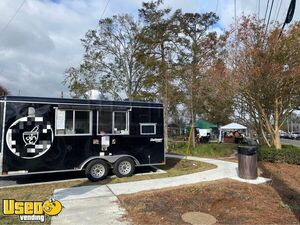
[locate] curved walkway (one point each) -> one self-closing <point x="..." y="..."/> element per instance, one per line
<point x="224" y="170"/>
<point x="99" y="205"/>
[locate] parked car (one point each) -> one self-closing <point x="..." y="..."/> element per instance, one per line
<point x="295" y="135"/>
<point x="284" y="134"/>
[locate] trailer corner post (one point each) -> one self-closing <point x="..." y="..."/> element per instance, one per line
<point x="2" y="138"/>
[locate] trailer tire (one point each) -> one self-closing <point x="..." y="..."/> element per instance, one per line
<point x="124" y="167"/>
<point x="96" y="170"/>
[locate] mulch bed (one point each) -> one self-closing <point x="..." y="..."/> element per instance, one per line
<point x="231" y="202"/>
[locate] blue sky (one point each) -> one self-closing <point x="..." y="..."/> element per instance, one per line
<point x="44" y="38"/>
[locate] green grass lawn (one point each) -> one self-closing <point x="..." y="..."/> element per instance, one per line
<point x="211" y="150"/>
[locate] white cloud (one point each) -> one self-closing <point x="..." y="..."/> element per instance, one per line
<point x="44" y="38"/>
<point x="41" y="42"/>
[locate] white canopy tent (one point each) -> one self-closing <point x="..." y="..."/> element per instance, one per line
<point x="231" y="126"/>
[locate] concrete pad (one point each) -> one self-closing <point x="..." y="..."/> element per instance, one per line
<point x="98" y="210"/>
<point x="88" y="205"/>
<point x="198" y="218"/>
<point x="258" y="180"/>
<point x="82" y="192"/>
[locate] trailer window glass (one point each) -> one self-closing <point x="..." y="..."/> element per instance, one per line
<point x="105" y="122"/>
<point x="120" y="123"/>
<point x="146" y="128"/>
<point x="70" y="122"/>
<point x="82" y="122"/>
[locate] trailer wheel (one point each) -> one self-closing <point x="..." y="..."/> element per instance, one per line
<point x="96" y="170"/>
<point x="124" y="167"/>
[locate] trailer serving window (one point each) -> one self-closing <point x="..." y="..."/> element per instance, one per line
<point x="73" y="122"/>
<point x="147" y="128"/>
<point x="113" y="122"/>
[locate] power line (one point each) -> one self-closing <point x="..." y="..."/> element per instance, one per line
<point x="276" y="6"/>
<point x="235" y="22"/>
<point x="12" y="18"/>
<point x="104" y="9"/>
<point x="235" y="51"/>
<point x="278" y="10"/>
<point x="217" y="6"/>
<point x="269" y="16"/>
<point x="258" y="9"/>
<point x="266" y="12"/>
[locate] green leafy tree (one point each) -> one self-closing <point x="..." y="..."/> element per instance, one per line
<point x="159" y="36"/>
<point x="217" y="91"/>
<point x="198" y="51"/>
<point x="110" y="64"/>
<point x="268" y="75"/>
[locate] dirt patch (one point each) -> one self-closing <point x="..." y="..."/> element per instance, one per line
<point x="286" y="182"/>
<point x="230" y="202"/>
<point x="282" y="174"/>
<point x="184" y="166"/>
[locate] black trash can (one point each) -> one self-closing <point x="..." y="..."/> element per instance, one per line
<point x="247" y="162"/>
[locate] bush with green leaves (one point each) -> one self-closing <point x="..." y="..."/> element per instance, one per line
<point x="288" y="154"/>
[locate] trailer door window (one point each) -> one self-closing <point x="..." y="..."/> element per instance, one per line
<point x="68" y="122"/>
<point x="73" y="122"/>
<point x="147" y="128"/>
<point x="113" y="122"/>
<point x="105" y="122"/>
<point x="82" y="122"/>
<point x="121" y="123"/>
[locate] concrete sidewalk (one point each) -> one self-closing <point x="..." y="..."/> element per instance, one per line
<point x="88" y="205"/>
<point x="224" y="170"/>
<point x="99" y="204"/>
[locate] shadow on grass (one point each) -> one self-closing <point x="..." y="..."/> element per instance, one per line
<point x="289" y="196"/>
<point x="170" y="163"/>
<point x="141" y="173"/>
<point x="57" y="176"/>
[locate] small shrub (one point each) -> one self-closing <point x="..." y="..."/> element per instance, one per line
<point x="288" y="154"/>
<point x="213" y="150"/>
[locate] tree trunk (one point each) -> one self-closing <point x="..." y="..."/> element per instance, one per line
<point x="193" y="125"/>
<point x="264" y="135"/>
<point x="166" y="118"/>
<point x="164" y="90"/>
<point x="276" y="134"/>
<point x="192" y="88"/>
<point x="276" y="140"/>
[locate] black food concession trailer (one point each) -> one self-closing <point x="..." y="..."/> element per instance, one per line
<point x="52" y="134"/>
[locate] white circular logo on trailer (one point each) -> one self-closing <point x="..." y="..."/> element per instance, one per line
<point x="29" y="137"/>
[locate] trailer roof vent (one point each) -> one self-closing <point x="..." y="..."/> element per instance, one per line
<point x="31" y="111"/>
<point x="93" y="94"/>
<point x="97" y="95"/>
